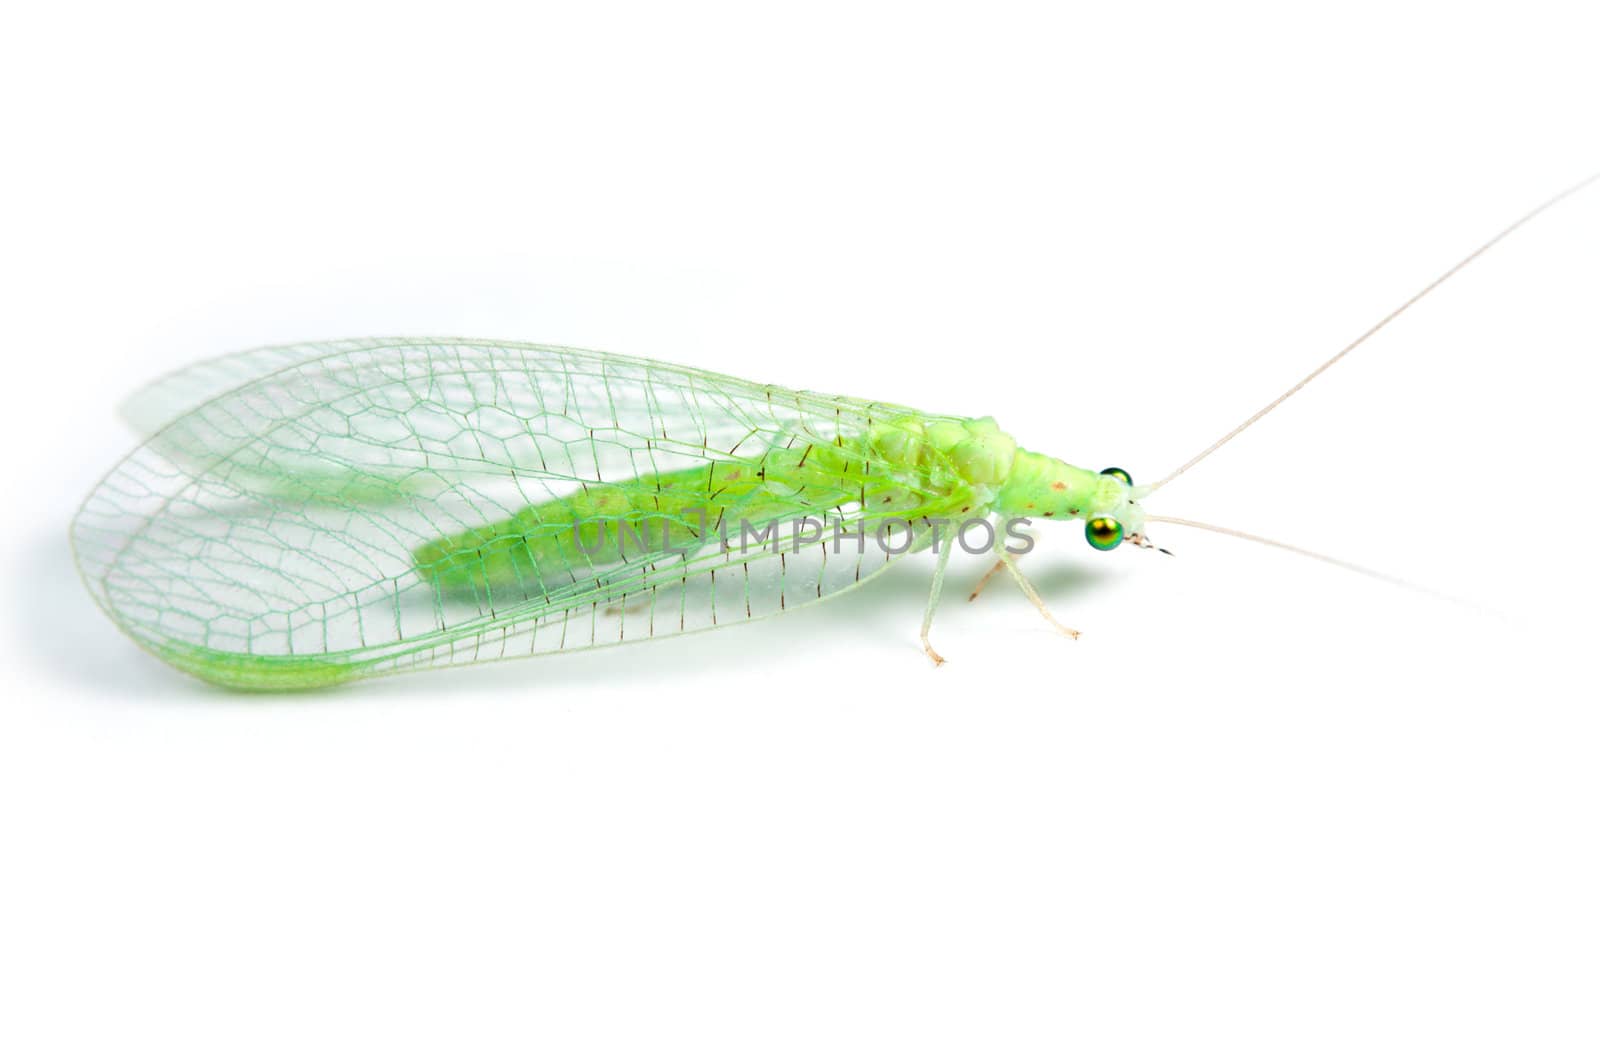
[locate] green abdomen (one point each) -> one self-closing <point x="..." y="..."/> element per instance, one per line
<point x="545" y="547"/>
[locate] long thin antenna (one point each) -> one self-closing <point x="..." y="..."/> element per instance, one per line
<point x="1313" y="555"/>
<point x="1359" y="340"/>
<point x="1350" y="566"/>
<point x="1264" y="541"/>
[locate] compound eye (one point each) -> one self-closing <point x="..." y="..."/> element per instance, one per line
<point x="1120" y="474"/>
<point x="1103" y="533"/>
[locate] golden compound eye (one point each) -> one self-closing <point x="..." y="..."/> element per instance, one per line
<point x="1121" y="474"/>
<point x="1103" y="533"/>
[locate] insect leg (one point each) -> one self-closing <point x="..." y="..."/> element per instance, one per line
<point x="1033" y="596"/>
<point x="984" y="582"/>
<point x="933" y="599"/>
<point x="1001" y="553"/>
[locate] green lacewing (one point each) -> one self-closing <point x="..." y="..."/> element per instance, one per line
<point x="308" y="515"/>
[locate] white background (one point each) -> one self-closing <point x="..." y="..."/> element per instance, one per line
<point x="1264" y="810"/>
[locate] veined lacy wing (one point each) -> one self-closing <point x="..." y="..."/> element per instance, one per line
<point x="156" y="410"/>
<point x="161" y="401"/>
<point x="241" y="543"/>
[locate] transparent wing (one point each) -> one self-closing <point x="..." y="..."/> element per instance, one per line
<point x="155" y="413"/>
<point x="399" y="504"/>
<point x="164" y="399"/>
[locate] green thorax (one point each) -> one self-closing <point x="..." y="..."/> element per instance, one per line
<point x="1021" y="483"/>
<point x="1042" y="486"/>
<point x="1018" y="482"/>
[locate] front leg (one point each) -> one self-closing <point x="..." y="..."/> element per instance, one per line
<point x="1033" y="596"/>
<point x="1007" y="562"/>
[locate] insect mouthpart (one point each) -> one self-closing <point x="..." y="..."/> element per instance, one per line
<point x="1142" y="542"/>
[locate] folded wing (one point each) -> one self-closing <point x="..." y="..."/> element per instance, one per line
<point x="395" y="504"/>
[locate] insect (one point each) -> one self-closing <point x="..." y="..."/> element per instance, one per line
<point x="310" y="515"/>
